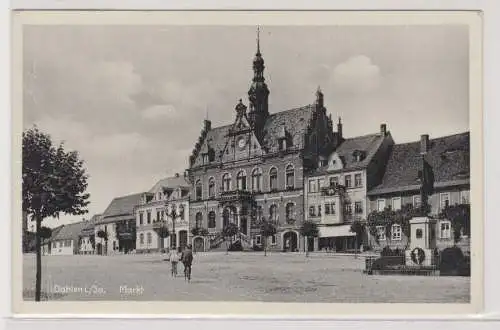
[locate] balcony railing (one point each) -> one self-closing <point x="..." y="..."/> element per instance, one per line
<point x="233" y="195"/>
<point x="332" y="190"/>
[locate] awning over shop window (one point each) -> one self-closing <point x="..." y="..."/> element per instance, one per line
<point x="336" y="231"/>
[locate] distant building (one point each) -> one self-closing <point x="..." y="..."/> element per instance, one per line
<point x="449" y="159"/>
<point x="87" y="236"/>
<point x="155" y="210"/>
<point x="336" y="193"/>
<point x="65" y="240"/>
<point x="118" y="223"/>
<point x="46" y="244"/>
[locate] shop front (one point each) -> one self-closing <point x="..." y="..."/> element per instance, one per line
<point x="336" y="238"/>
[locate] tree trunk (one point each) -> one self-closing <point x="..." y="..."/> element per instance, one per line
<point x="265" y="246"/>
<point x="356" y="248"/>
<point x="227" y="247"/>
<point x="38" y="284"/>
<point x="307" y="245"/>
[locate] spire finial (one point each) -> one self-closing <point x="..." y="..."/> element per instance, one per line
<point x="319" y="89"/>
<point x="258" y="39"/>
<point x="206" y="113"/>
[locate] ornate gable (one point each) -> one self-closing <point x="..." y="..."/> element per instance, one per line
<point x="241" y="141"/>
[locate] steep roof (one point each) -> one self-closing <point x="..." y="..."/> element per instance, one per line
<point x="121" y="208"/>
<point x="70" y="231"/>
<point x="295" y="121"/>
<point x="367" y="144"/>
<point x="448" y="156"/>
<point x="171" y="182"/>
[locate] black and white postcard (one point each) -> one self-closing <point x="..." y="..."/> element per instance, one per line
<point x="260" y="163"/>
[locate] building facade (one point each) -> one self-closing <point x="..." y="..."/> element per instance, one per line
<point x="449" y="161"/>
<point x="336" y="193"/>
<point x="66" y="241"/>
<point x="87" y="236"/>
<point x="166" y="204"/>
<point x="119" y="226"/>
<point x="254" y="168"/>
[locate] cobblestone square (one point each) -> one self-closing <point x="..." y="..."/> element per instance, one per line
<point x="278" y="277"/>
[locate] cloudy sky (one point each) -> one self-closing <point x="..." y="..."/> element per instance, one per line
<point x="132" y="100"/>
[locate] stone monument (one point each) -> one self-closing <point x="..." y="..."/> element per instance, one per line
<point x="420" y="251"/>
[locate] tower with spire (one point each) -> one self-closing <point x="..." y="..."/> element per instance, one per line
<point x="258" y="93"/>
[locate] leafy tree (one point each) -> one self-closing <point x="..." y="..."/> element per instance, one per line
<point x="459" y="216"/>
<point x="359" y="229"/>
<point x="163" y="233"/>
<point x="267" y="229"/>
<point x="173" y="215"/>
<point x="54" y="182"/>
<point x="103" y="235"/>
<point x="228" y="232"/>
<point x="388" y="217"/>
<point x="309" y="229"/>
<point x="45" y="232"/>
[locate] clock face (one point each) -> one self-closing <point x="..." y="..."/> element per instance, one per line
<point x="242" y="143"/>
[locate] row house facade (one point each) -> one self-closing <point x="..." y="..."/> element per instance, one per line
<point x="449" y="159"/>
<point x="336" y="193"/>
<point x="254" y="168"/>
<point x="119" y="225"/>
<point x="166" y="204"/>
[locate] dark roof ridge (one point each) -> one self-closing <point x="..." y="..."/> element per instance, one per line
<point x="433" y="139"/>
<point x="127" y="196"/>
<point x="362" y="136"/>
<point x="270" y="114"/>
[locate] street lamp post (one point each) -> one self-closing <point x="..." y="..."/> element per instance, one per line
<point x="173" y="215"/>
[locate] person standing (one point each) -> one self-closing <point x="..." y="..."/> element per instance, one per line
<point x="174" y="260"/>
<point x="187" y="260"/>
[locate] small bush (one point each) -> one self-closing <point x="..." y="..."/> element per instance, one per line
<point x="454" y="263"/>
<point x="387" y="252"/>
<point x="386" y="261"/>
<point x="257" y="248"/>
<point x="236" y="246"/>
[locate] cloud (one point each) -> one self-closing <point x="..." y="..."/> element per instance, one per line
<point x="93" y="147"/>
<point x="158" y="111"/>
<point x="356" y="75"/>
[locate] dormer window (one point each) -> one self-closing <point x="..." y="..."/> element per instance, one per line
<point x="205" y="158"/>
<point x="358" y="155"/>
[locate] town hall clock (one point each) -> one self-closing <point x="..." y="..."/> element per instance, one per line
<point x="242" y="142"/>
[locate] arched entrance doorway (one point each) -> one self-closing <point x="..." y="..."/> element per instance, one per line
<point x="183" y="238"/>
<point x="290" y="240"/>
<point x="198" y="244"/>
<point x="228" y="216"/>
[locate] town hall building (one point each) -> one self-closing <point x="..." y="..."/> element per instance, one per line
<point x="254" y="168"/>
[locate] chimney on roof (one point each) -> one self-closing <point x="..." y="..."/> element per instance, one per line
<point x="424" y="144"/>
<point x="383" y="129"/>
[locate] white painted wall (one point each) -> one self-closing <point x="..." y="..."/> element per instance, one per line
<point x="62" y="247"/>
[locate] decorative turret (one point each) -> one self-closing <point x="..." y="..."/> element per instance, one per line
<point x="258" y="93"/>
<point x="319" y="98"/>
<point x="339" y="130"/>
<point x="241" y="109"/>
<point x="207" y="125"/>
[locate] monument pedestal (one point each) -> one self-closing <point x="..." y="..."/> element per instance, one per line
<point x="422" y="242"/>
